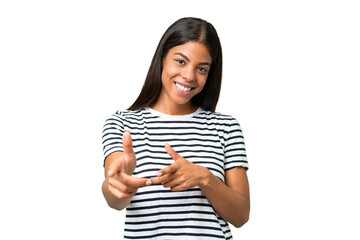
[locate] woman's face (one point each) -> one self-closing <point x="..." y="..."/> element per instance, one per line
<point x="185" y="70"/>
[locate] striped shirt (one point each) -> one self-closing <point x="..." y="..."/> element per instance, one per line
<point x="212" y="140"/>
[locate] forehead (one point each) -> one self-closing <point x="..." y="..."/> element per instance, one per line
<point x="193" y="50"/>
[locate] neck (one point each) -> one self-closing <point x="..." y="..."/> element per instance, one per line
<point x="174" y="109"/>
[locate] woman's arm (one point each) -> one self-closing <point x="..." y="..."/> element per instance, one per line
<point x="119" y="186"/>
<point x="231" y="200"/>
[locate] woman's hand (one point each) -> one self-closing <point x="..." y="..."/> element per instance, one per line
<point x="182" y="174"/>
<point x="119" y="182"/>
<point x="231" y="200"/>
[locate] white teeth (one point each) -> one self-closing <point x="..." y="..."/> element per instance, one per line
<point x="186" y="89"/>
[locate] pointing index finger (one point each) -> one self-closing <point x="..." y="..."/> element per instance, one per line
<point x="174" y="155"/>
<point x="127" y="144"/>
<point x="163" y="174"/>
<point x="166" y="170"/>
<point x="134" y="181"/>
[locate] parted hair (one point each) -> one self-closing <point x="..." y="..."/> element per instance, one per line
<point x="180" y="32"/>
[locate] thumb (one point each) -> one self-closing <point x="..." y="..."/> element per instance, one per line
<point x="127" y="144"/>
<point x="174" y="155"/>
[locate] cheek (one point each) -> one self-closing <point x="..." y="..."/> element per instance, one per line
<point x="165" y="77"/>
<point x="202" y="83"/>
<point x="169" y="71"/>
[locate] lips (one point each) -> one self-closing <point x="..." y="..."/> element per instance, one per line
<point x="183" y="87"/>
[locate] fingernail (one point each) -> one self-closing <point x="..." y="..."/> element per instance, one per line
<point x="148" y="182"/>
<point x="159" y="174"/>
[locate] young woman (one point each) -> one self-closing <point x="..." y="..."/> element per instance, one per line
<point x="178" y="167"/>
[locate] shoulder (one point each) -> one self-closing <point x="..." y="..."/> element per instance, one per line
<point x="222" y="122"/>
<point x="126" y="117"/>
<point x="128" y="114"/>
<point x="217" y="117"/>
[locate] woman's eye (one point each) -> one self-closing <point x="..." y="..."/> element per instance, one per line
<point x="201" y="69"/>
<point x="180" y="61"/>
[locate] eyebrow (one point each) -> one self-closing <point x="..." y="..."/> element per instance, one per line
<point x="187" y="59"/>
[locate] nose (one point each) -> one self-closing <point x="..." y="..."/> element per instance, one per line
<point x="188" y="74"/>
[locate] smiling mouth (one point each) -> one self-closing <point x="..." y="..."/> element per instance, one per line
<point x="183" y="88"/>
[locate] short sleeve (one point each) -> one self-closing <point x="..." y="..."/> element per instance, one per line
<point x="235" y="153"/>
<point x="112" y="134"/>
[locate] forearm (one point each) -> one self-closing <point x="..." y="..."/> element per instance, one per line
<point x="230" y="200"/>
<point x="113" y="201"/>
<point x="231" y="205"/>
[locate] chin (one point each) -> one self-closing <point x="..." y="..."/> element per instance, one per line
<point x="181" y="101"/>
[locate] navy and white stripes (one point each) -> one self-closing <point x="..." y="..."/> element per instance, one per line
<point x="208" y="139"/>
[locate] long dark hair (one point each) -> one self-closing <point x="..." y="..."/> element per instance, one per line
<point x="180" y="32"/>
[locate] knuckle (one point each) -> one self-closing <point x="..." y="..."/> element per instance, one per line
<point x="124" y="189"/>
<point x="111" y="182"/>
<point x="156" y="180"/>
<point x="162" y="179"/>
<point x="125" y="181"/>
<point x="165" y="178"/>
<point x="122" y="195"/>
